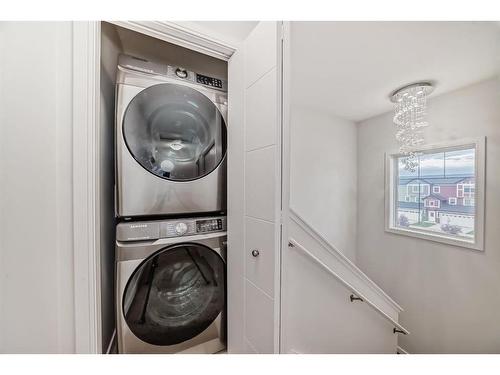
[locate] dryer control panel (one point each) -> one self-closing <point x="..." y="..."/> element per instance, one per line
<point x="159" y="69"/>
<point x="209" y="81"/>
<point x="152" y="230"/>
<point x="210" y="225"/>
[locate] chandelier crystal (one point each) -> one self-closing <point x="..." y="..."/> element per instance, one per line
<point x="409" y="117"/>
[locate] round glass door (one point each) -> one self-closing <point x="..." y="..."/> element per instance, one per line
<point x="175" y="132"/>
<point x="175" y="294"/>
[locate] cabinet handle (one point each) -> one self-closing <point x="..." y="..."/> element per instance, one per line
<point x="255" y="253"/>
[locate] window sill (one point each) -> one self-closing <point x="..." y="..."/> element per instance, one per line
<point x="473" y="245"/>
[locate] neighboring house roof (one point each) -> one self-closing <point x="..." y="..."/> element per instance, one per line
<point x="435" y="180"/>
<point x="436" y="196"/>
<point x="406" y="181"/>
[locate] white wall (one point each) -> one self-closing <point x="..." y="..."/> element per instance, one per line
<point x="451" y="295"/>
<point x="36" y="252"/>
<point x="323" y="175"/>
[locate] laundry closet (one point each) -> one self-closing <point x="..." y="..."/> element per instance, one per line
<point x="189" y="191"/>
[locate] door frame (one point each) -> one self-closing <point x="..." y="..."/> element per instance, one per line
<point x="86" y="236"/>
<point x="86" y="200"/>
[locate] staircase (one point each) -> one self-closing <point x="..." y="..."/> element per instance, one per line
<point x="328" y="304"/>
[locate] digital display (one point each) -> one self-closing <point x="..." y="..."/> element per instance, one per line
<point x="208" y="225"/>
<point x="209" y="81"/>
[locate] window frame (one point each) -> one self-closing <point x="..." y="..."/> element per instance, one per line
<point x="468" y="194"/>
<point x="471" y="202"/>
<point x="413" y="190"/>
<point x="428" y="204"/>
<point x="391" y="183"/>
<point x="438" y="189"/>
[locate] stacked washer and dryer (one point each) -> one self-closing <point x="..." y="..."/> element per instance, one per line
<point x="170" y="201"/>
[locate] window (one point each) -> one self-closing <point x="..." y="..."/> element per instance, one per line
<point x="468" y="201"/>
<point x="432" y="203"/>
<point x="468" y="190"/>
<point x="421" y="189"/>
<point x="454" y="170"/>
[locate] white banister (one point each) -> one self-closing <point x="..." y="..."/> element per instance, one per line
<point x="400" y="350"/>
<point x="347" y="264"/>
<point x="295" y="245"/>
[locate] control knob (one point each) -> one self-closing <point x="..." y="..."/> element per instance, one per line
<point x="181" y="228"/>
<point x="181" y="73"/>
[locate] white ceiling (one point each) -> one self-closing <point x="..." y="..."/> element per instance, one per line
<point x="232" y="32"/>
<point x="350" y="68"/>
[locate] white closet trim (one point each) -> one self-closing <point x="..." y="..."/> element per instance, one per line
<point x="86" y="90"/>
<point x="182" y="36"/>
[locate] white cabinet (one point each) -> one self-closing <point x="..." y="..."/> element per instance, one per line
<point x="260" y="129"/>
<point x="260" y="254"/>
<point x="254" y="167"/>
<point x="260" y="183"/>
<point x="261" y="51"/>
<point x="259" y="322"/>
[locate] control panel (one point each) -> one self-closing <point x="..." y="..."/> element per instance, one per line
<point x="177" y="228"/>
<point x="209" y="81"/>
<point x="152" y="230"/>
<point x="210" y="225"/>
<point x="189" y="227"/>
<point x="160" y="69"/>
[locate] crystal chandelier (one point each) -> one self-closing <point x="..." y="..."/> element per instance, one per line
<point x="409" y="117"/>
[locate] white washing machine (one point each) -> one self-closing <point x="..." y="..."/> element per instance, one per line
<point x="171" y="286"/>
<point x="170" y="140"/>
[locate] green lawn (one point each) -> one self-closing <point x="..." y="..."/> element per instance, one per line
<point x="423" y="224"/>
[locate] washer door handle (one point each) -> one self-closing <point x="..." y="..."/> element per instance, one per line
<point x="255" y="253"/>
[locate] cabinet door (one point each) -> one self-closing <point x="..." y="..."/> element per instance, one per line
<point x="254" y="191"/>
<point x="259" y="322"/>
<point x="260" y="254"/>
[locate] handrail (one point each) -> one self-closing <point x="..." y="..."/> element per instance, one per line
<point x="294" y="244"/>
<point x="400" y="350"/>
<point x="340" y="256"/>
